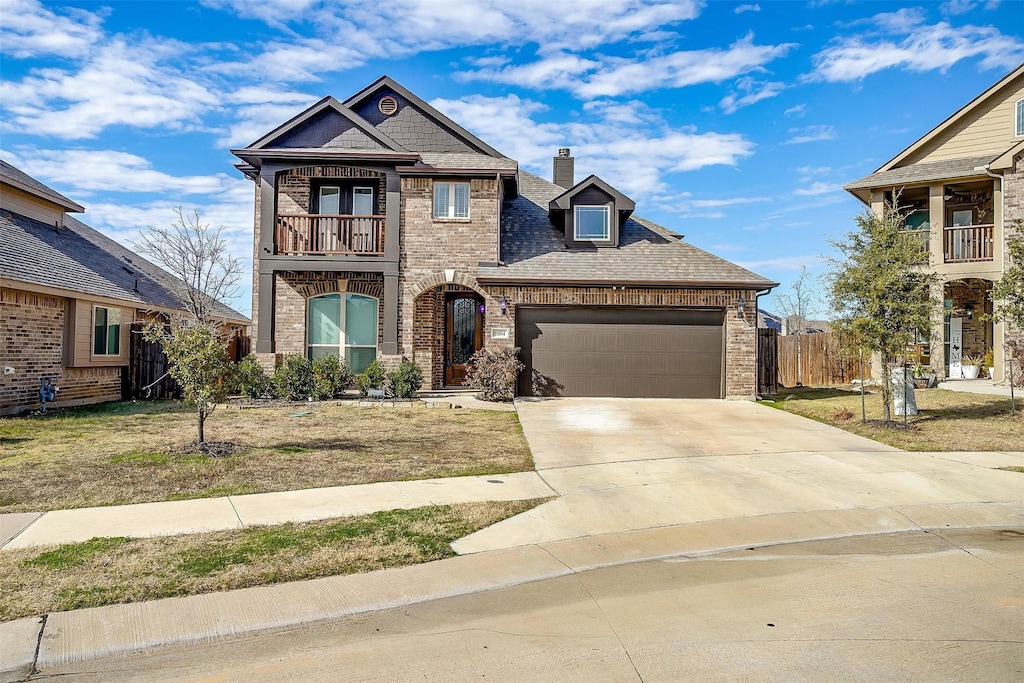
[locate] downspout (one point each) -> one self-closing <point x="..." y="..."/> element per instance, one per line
<point x="1002" y="264"/>
<point x="757" y="343"/>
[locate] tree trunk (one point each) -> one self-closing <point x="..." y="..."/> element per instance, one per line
<point x="202" y="422"/>
<point x="886" y="389"/>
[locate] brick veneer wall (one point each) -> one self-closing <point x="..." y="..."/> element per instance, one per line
<point x="294" y="186"/>
<point x="1013" y="209"/>
<point x="33" y="344"/>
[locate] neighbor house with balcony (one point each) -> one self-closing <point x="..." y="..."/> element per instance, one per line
<point x="961" y="188"/>
<point x="383" y="230"/>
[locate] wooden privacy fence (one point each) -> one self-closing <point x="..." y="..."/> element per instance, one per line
<point x="824" y="361"/>
<point x="146" y="376"/>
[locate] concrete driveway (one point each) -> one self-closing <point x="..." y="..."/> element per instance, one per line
<point x="632" y="464"/>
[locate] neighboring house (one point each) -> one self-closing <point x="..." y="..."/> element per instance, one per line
<point x="769" y="321"/>
<point x="794" y="324"/>
<point x="960" y="187"/>
<point x="384" y="229"/>
<point x="68" y="299"/>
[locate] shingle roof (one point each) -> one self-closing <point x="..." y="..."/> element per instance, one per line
<point x="949" y="169"/>
<point x="81" y="259"/>
<point x="466" y="160"/>
<point x="22" y="180"/>
<point x="533" y="249"/>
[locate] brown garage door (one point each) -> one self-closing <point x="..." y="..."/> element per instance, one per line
<point x="628" y="352"/>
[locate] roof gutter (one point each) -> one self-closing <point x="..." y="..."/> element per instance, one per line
<point x="644" y="284"/>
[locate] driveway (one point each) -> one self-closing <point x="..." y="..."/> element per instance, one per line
<point x="632" y="464"/>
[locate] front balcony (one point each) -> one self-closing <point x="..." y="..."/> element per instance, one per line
<point x="968" y="244"/>
<point x="329" y="235"/>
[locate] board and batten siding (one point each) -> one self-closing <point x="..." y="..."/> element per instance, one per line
<point x="988" y="130"/>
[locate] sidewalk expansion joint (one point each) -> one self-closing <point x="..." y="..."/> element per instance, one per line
<point x="39" y="644"/>
<point x="235" y="510"/>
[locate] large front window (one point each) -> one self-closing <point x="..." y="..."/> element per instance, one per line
<point x="451" y="200"/>
<point x="592" y="223"/>
<point x="344" y="325"/>
<point x="106" y="325"/>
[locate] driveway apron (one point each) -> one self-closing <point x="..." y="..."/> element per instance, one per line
<point x="624" y="465"/>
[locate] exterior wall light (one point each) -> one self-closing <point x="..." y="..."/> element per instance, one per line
<point x="503" y="303"/>
<point x="741" y="307"/>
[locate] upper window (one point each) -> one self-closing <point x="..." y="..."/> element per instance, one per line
<point x="106" y="340"/>
<point x="592" y="223"/>
<point x="345" y="325"/>
<point x="451" y="200"/>
<point x="1019" y="118"/>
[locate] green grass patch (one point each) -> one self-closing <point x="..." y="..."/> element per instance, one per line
<point x="292" y="450"/>
<point x="104" y="571"/>
<point x="75" y="554"/>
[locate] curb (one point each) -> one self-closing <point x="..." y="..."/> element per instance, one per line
<point x="62" y="638"/>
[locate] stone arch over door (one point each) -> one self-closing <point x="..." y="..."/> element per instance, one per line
<point x="430" y="327"/>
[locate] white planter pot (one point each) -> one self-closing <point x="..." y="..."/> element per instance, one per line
<point x="991" y="373"/>
<point x="971" y="371"/>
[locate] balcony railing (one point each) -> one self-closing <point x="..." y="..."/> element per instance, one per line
<point x="920" y="237"/>
<point x="329" y="235"/>
<point x="970" y="243"/>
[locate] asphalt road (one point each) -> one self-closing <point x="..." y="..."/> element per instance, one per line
<point x="901" y="607"/>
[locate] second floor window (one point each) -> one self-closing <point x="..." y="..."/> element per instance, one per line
<point x="1019" y="118"/>
<point x="106" y="331"/>
<point x="592" y="223"/>
<point x="451" y="200"/>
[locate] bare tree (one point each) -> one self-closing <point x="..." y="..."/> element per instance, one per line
<point x="802" y="303"/>
<point x="195" y="340"/>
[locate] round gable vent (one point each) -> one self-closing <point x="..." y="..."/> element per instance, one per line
<point x="387" y="105"/>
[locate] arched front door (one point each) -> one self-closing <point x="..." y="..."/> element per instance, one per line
<point x="464" y="325"/>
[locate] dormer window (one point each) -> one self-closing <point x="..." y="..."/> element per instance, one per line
<point x="592" y="223"/>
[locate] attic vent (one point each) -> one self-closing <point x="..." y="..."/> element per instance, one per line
<point x="387" y="105"/>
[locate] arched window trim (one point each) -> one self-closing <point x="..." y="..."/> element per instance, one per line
<point x="344" y="344"/>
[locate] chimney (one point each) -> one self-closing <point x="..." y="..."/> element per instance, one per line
<point x="563" y="172"/>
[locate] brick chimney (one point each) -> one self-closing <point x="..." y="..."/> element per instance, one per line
<point x="563" y="172"/>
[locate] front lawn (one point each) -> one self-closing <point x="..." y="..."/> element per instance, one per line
<point x="948" y="420"/>
<point x="106" y="571"/>
<point x="136" y="452"/>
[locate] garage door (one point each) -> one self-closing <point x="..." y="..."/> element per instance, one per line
<point x="628" y="352"/>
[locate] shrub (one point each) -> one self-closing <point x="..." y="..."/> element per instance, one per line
<point x="406" y="379"/>
<point x="294" y="378"/>
<point x="371" y="378"/>
<point x="252" y="381"/>
<point x="331" y="376"/>
<point x="495" y="373"/>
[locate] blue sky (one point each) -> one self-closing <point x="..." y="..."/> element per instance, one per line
<point x="734" y="123"/>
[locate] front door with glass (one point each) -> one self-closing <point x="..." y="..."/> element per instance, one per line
<point x="464" y="318"/>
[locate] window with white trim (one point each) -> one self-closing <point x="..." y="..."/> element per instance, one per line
<point x="344" y="325"/>
<point x="1019" y="118"/>
<point x="451" y="200"/>
<point x="106" y="327"/>
<point x="592" y="223"/>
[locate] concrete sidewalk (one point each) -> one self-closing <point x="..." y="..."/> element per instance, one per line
<point x="980" y="386"/>
<point x="234" y="512"/>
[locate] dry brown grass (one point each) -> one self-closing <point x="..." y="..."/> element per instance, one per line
<point x="106" y="571"/>
<point x="948" y="420"/>
<point x="131" y="453"/>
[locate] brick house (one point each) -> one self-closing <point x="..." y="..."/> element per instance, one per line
<point x="961" y="187"/>
<point x="384" y="229"/>
<point x="68" y="299"/>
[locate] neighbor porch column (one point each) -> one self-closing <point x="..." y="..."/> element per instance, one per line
<point x="265" y="314"/>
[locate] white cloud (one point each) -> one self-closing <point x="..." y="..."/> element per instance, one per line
<point x="30" y="30"/>
<point x="753" y="91"/>
<point x="119" y="84"/>
<point x="632" y="158"/>
<point x="797" y="110"/>
<point x="816" y="189"/>
<point x="955" y="7"/>
<point x="111" y="171"/>
<point x="747" y="8"/>
<point x="783" y="263"/>
<point x="809" y="172"/>
<point x="811" y="134"/>
<point x="925" y="48"/>
<point x="605" y="76"/>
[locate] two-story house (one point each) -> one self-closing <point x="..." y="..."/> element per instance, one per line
<point x="961" y="187"/>
<point x="384" y="229"/>
<point x="72" y="301"/>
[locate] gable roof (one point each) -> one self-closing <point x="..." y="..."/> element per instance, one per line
<point x="953" y="120"/>
<point x="948" y="169"/>
<point x="562" y="201"/>
<point x="533" y="250"/>
<point x="327" y="104"/>
<point x="17" y="178"/>
<point x="388" y="83"/>
<point x="80" y="259"/>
